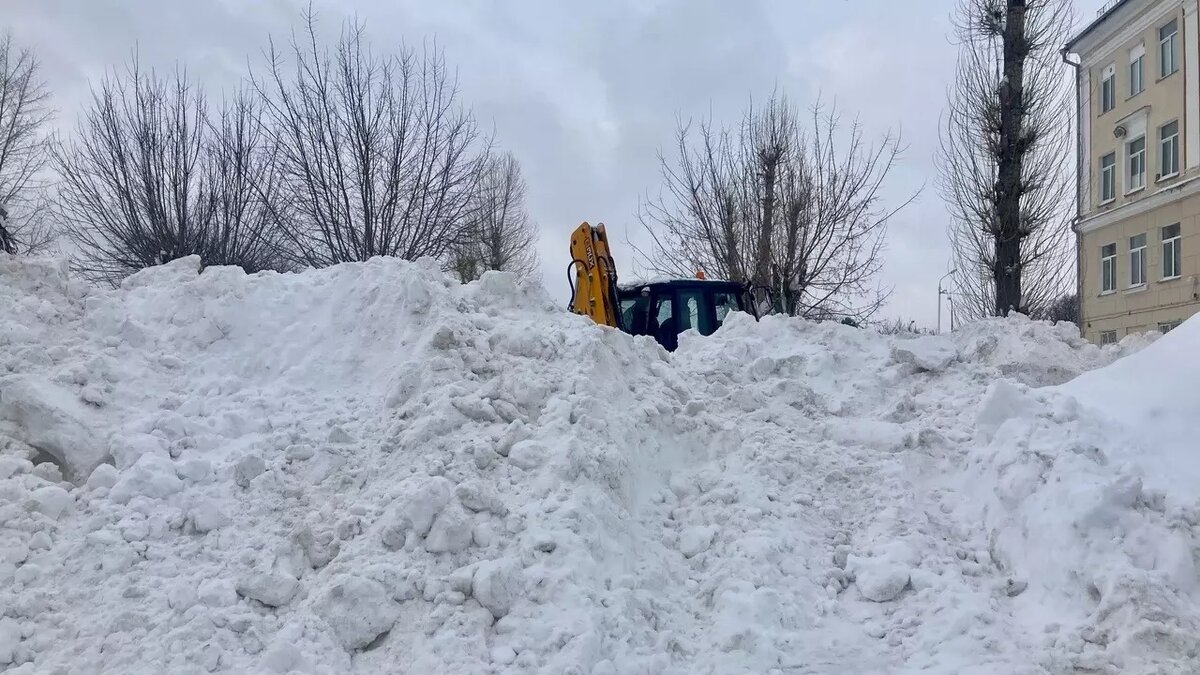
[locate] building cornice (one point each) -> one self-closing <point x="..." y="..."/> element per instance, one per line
<point x="1089" y="31"/>
<point x="1167" y="195"/>
<point x="1117" y="27"/>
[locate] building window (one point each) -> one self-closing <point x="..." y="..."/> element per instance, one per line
<point x="1171" y="254"/>
<point x="1108" y="337"/>
<point x="1168" y="60"/>
<point x="1168" y="326"/>
<point x="1108" y="268"/>
<point x="1137" y="260"/>
<point x="1108" y="177"/>
<point x="1137" y="164"/>
<point x="1136" y="72"/>
<point x="1108" y="89"/>
<point x="1168" y="149"/>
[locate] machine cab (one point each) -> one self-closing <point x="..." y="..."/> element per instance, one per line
<point x="664" y="309"/>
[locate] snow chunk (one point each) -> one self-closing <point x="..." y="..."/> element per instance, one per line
<point x="422" y="500"/>
<point x="476" y="497"/>
<point x="358" y="610"/>
<point x="879" y="579"/>
<point x="54" y="421"/>
<point x="49" y="472"/>
<point x="217" y="593"/>
<point x="461" y="578"/>
<point x="451" y="531"/>
<point x="528" y="454"/>
<point x="925" y="354"/>
<point x="208" y="516"/>
<point x="151" y="476"/>
<point x="104" y="476"/>
<point x="695" y="540"/>
<point x="126" y="450"/>
<point x="10" y="637"/>
<point x="1003" y="401"/>
<point x="270" y="588"/>
<point x="11" y="466"/>
<point x="51" y="500"/>
<point x="498" y="584"/>
<point x="516" y="432"/>
<point x="195" y="470"/>
<point x="247" y="469"/>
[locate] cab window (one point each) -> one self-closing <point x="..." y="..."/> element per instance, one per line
<point x="724" y="303"/>
<point x="695" y="314"/>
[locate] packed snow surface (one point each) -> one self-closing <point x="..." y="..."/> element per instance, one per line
<point x="370" y="468"/>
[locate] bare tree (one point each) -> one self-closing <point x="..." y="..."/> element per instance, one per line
<point x="499" y="234"/>
<point x="150" y="178"/>
<point x="24" y="150"/>
<point x="779" y="206"/>
<point x="1064" y="308"/>
<point x="376" y="156"/>
<point x="1005" y="157"/>
<point x="244" y="193"/>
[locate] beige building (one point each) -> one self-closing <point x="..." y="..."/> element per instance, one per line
<point x="1138" y="228"/>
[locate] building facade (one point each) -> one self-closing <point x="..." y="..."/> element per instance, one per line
<point x="1138" y="224"/>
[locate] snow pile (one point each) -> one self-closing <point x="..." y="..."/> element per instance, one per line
<point x="1093" y="504"/>
<point x="370" y="468"/>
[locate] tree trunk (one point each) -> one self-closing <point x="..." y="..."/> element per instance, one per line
<point x="1010" y="158"/>
<point x="762" y="255"/>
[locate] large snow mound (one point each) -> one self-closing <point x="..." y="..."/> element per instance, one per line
<point x="371" y="468"/>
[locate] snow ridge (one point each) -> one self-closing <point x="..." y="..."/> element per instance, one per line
<point x="370" y="468"/>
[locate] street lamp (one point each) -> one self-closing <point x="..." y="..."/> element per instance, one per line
<point x="940" y="293"/>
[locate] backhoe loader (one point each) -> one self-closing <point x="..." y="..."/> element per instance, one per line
<point x="661" y="308"/>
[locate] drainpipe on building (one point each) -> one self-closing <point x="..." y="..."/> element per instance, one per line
<point x="1079" y="148"/>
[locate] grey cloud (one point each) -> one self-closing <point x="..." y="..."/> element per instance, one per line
<point x="585" y="94"/>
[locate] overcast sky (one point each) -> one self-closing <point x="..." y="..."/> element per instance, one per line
<point x="586" y="93"/>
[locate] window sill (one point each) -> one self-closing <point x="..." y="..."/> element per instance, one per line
<point x="1138" y="288"/>
<point x="1163" y="77"/>
<point x="1167" y="177"/>
<point x="1164" y="280"/>
<point x="1106" y="202"/>
<point x="1134" y="191"/>
<point x="1104" y="293"/>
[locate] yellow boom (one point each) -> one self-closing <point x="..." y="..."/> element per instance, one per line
<point x="595" y="291"/>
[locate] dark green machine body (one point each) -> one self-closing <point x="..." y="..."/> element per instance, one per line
<point x="664" y="309"/>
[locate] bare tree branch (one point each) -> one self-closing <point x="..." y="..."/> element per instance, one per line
<point x="776" y="204"/>
<point x="150" y="178"/>
<point x="1005" y="157"/>
<point x="376" y="156"/>
<point x="24" y="151"/>
<point x="499" y="234"/>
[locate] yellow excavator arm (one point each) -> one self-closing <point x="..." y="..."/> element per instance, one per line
<point x="595" y="287"/>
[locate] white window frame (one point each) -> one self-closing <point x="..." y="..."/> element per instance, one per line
<point x="1108" y="337"/>
<point x="1137" y="261"/>
<point x="1172" y="154"/>
<point x="1108" y="88"/>
<point x="1135" y="181"/>
<point x="1171" y="252"/>
<point x="1168" y="326"/>
<point x="1137" y="70"/>
<point x="1168" y="49"/>
<point x="1108" y="269"/>
<point x="1108" y="178"/>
